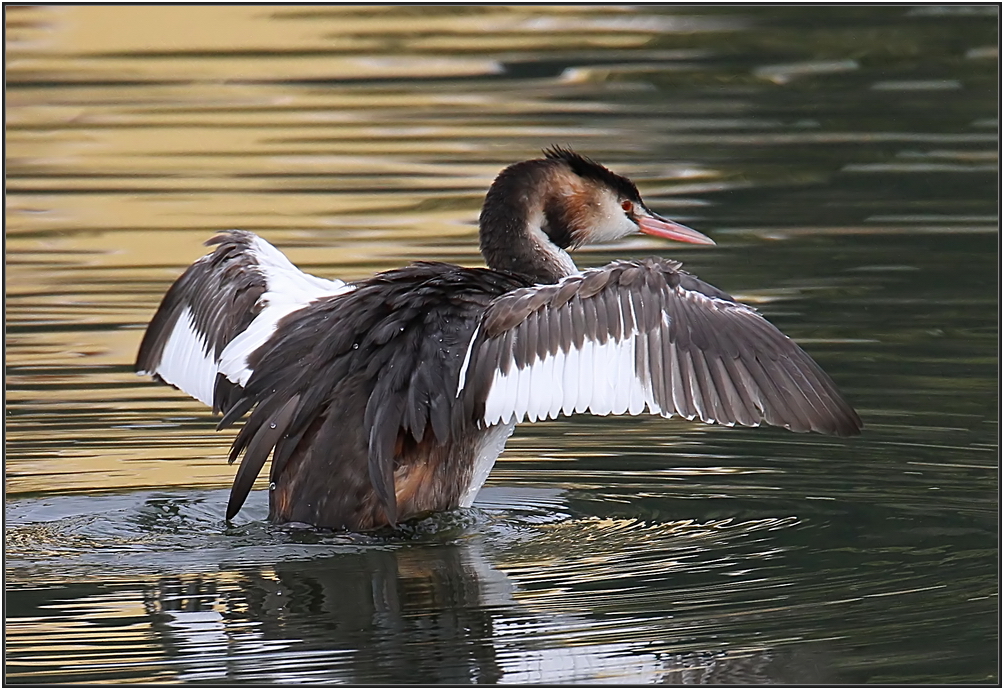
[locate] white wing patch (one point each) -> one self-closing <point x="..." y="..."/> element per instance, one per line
<point x="599" y="378"/>
<point x="288" y="284"/>
<point x="185" y="362"/>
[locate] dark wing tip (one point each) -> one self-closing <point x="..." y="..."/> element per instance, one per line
<point x="732" y="366"/>
<point x="814" y="403"/>
<point x="844" y="422"/>
<point x="828" y="409"/>
<point x="849" y="424"/>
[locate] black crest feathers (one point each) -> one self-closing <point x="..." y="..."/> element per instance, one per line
<point x="591" y="170"/>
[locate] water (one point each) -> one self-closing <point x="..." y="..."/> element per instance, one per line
<point x="844" y="159"/>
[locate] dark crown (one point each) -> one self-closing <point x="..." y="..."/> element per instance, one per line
<point x="591" y="170"/>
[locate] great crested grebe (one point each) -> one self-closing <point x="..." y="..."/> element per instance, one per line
<point x="391" y="397"/>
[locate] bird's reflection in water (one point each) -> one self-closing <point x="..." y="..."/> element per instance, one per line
<point x="424" y="613"/>
<point x="436" y="613"/>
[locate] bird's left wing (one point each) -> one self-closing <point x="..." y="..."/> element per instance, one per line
<point x="642" y="336"/>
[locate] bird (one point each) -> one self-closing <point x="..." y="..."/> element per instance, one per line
<point x="391" y="397"/>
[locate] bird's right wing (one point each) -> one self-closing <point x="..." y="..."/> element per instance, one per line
<point x="637" y="336"/>
<point x="222" y="309"/>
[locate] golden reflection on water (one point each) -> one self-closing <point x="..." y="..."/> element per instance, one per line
<point x="337" y="132"/>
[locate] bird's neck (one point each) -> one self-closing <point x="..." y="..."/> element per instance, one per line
<point x="523" y="211"/>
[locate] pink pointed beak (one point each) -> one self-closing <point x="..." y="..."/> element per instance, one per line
<point x="651" y="224"/>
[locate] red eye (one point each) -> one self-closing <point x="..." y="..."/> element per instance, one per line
<point x="627" y="206"/>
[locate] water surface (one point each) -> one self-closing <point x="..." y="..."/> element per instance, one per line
<point x="844" y="159"/>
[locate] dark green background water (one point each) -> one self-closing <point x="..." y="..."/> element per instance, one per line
<point x="844" y="159"/>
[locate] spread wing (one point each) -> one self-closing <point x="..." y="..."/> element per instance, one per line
<point x="643" y="336"/>
<point x="222" y="309"/>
